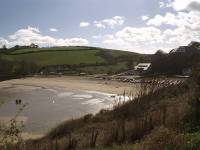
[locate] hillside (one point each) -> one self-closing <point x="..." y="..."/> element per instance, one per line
<point x="65" y="55"/>
<point x="73" y="60"/>
<point x="179" y="61"/>
<point x="68" y="60"/>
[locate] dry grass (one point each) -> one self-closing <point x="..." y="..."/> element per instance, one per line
<point x="163" y="138"/>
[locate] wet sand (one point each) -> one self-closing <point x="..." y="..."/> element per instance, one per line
<point x="74" y="97"/>
<point x="74" y="83"/>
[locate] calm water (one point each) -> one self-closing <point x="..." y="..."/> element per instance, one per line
<point x="48" y="107"/>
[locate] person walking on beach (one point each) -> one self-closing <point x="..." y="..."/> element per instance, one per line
<point x="18" y="101"/>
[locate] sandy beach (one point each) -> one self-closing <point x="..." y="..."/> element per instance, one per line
<point x="74" y="83"/>
<point x="66" y="97"/>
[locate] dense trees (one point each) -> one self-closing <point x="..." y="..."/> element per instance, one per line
<point x="5" y="67"/>
<point x="17" y="47"/>
<point x="9" y="69"/>
<point x="175" y="62"/>
<point x="3" y="48"/>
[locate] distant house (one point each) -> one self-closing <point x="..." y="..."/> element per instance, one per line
<point x="82" y="74"/>
<point x="173" y="51"/>
<point x="33" y="45"/>
<point x="195" y="45"/>
<point x="142" y="68"/>
<point x="181" y="49"/>
<point x="191" y="48"/>
<point x="187" y="72"/>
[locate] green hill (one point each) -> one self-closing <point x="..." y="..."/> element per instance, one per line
<point x="64" y="55"/>
<point x="73" y="59"/>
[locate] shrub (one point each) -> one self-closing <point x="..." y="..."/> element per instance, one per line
<point x="163" y="138"/>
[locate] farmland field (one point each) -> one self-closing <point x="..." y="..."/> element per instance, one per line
<point x="64" y="55"/>
<point x="90" y="60"/>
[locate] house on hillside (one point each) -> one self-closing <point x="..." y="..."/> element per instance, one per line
<point x="33" y="45"/>
<point x="193" y="47"/>
<point x="181" y="49"/>
<point x="194" y="44"/>
<point x="187" y="72"/>
<point x="142" y="68"/>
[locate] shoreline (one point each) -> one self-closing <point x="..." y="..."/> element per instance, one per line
<point x="74" y="83"/>
<point x="69" y="83"/>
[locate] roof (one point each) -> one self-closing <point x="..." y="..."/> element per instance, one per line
<point x="181" y="49"/>
<point x="143" y="66"/>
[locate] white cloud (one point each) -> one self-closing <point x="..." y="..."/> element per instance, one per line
<point x="3" y="42"/>
<point x="33" y="29"/>
<point x="165" y="4"/>
<point x="181" y="19"/>
<point x="161" y="31"/>
<point x="181" y="36"/>
<point x="179" y="5"/>
<point x="186" y="28"/>
<point x="111" y="22"/>
<point x="97" y="37"/>
<point x="158" y="20"/>
<point x="144" y="18"/>
<point x="53" y="30"/>
<point x="161" y="4"/>
<point x="195" y="6"/>
<point x="143" y="40"/>
<point x="33" y="35"/>
<point x="84" y="24"/>
<point x="99" y="24"/>
<point x="143" y="34"/>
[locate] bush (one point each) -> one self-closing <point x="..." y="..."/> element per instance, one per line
<point x="163" y="138"/>
<point x="10" y="132"/>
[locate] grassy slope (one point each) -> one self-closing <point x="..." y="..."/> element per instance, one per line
<point x="62" y="55"/>
<point x="90" y="60"/>
<point x="57" y="58"/>
<point x="118" y="147"/>
<point x="100" y="69"/>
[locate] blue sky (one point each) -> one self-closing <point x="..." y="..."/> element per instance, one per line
<point x="136" y="25"/>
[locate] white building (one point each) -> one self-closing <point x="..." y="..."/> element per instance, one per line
<point x="142" y="67"/>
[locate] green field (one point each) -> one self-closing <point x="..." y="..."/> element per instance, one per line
<point x="57" y="58"/>
<point x="91" y="60"/>
<point x="104" y="69"/>
<point x="62" y="55"/>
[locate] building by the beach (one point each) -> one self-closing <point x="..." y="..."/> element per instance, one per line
<point x="142" y="68"/>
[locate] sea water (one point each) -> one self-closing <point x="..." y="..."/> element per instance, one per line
<point x="47" y="107"/>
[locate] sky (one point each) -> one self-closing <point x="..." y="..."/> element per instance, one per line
<point x="142" y="26"/>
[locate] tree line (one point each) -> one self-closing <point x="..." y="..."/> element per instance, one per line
<point x="17" y="47"/>
<point x="10" y="69"/>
